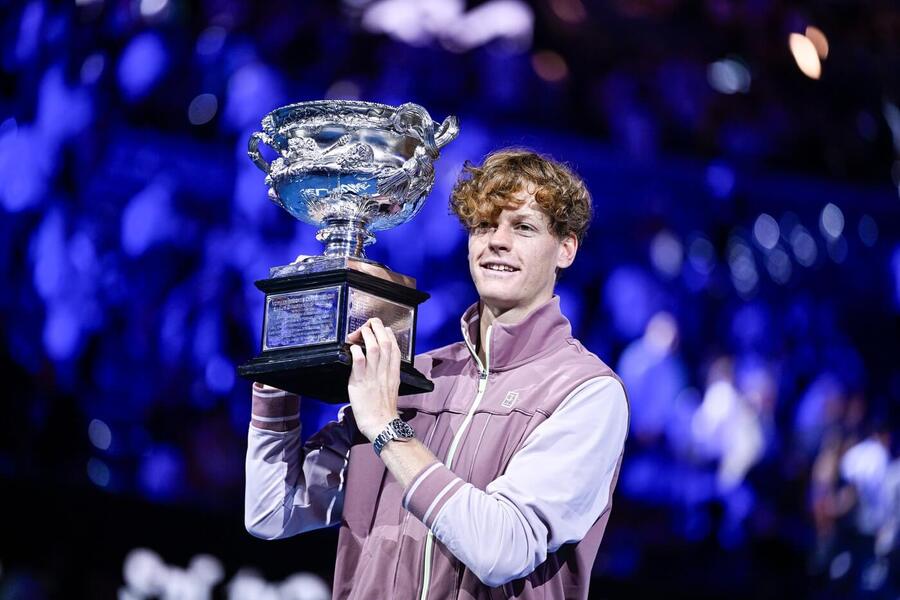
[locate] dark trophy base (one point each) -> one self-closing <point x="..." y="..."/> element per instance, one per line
<point x="308" y="317"/>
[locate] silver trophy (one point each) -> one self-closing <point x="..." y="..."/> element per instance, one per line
<point x="349" y="168"/>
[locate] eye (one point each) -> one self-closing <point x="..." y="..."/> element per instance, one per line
<point x="525" y="227"/>
<point x="482" y="226"/>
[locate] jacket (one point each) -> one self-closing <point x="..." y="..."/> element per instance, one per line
<point x="529" y="447"/>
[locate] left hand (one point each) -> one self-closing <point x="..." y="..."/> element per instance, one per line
<point x="374" y="377"/>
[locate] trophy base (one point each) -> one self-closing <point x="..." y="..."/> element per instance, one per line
<point x="321" y="373"/>
<point x="313" y="306"/>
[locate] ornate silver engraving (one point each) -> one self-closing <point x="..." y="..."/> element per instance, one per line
<point x="350" y="168"/>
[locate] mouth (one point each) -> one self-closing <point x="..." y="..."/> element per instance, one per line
<point x="497" y="267"/>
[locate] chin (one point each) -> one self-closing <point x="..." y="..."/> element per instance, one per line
<point x="497" y="299"/>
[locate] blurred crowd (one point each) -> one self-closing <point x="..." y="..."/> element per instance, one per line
<point x="753" y="314"/>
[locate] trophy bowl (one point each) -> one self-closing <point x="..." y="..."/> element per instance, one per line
<point x="349" y="168"/>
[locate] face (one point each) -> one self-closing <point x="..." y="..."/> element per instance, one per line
<point x="513" y="261"/>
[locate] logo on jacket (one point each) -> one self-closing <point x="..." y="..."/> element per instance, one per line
<point x="510" y="399"/>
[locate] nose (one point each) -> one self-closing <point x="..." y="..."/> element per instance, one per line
<point x="501" y="238"/>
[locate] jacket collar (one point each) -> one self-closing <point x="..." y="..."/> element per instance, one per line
<point x="511" y="345"/>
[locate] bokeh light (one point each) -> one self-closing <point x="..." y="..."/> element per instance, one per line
<point x="741" y="274"/>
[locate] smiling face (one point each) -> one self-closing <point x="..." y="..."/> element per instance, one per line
<point x="513" y="259"/>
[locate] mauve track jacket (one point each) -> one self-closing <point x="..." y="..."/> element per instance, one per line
<point x="529" y="447"/>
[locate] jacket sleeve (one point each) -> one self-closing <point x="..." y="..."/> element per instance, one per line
<point x="292" y="488"/>
<point x="554" y="489"/>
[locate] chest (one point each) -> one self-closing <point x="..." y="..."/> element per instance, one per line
<point x="472" y="425"/>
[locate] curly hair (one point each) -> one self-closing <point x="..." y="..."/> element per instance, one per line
<point x="481" y="192"/>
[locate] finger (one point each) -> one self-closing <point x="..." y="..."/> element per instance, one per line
<point x="381" y="334"/>
<point x="358" y="367"/>
<point x="390" y="352"/>
<point x="355" y="337"/>
<point x="373" y="352"/>
<point x="395" y="358"/>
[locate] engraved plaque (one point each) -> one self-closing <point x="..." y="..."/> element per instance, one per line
<point x="302" y="318"/>
<point x="399" y="317"/>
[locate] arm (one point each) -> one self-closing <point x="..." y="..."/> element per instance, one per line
<point x="373" y="385"/>
<point x="554" y="489"/>
<point x="292" y="488"/>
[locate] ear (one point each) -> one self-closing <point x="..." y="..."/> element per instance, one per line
<point x="568" y="248"/>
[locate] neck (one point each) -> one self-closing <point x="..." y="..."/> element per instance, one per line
<point x="488" y="315"/>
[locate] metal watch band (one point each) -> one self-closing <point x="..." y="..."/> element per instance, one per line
<point x="398" y="429"/>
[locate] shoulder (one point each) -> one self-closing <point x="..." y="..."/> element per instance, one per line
<point x="600" y="402"/>
<point x="573" y="357"/>
<point x="434" y="359"/>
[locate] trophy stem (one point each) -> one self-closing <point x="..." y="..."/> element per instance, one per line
<point x="345" y="237"/>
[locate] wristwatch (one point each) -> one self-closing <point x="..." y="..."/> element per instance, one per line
<point x="398" y="429"/>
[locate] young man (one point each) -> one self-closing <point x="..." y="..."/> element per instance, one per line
<point x="502" y="477"/>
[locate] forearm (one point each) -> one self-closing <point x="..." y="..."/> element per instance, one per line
<point x="406" y="459"/>
<point x="291" y="488"/>
<point x="551" y="493"/>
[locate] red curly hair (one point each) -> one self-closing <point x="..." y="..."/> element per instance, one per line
<point x="481" y="192"/>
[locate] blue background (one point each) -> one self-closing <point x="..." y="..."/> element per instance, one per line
<point x="746" y="234"/>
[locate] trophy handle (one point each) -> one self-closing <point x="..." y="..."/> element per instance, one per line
<point x="413" y="119"/>
<point x="448" y="131"/>
<point x="253" y="149"/>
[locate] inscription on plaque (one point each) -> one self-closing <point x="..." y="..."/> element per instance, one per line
<point x="399" y="317"/>
<point x="302" y="318"/>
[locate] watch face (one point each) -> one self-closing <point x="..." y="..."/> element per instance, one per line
<point x="403" y="429"/>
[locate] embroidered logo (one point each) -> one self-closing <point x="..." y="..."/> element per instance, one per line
<point x="510" y="399"/>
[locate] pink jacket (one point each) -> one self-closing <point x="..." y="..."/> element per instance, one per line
<point x="529" y="444"/>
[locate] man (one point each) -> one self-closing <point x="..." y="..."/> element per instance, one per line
<point x="505" y="479"/>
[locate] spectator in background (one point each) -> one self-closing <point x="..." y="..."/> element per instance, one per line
<point x="727" y="428"/>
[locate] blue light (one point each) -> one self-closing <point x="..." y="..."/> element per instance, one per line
<point x="100" y="434"/>
<point x="98" y="472"/>
<point x="631" y="297"/>
<point x="250" y="192"/>
<point x="654" y="380"/>
<point x="219" y="374"/>
<point x="62" y="111"/>
<point x="24" y="166"/>
<point x="48" y="256"/>
<point x="750" y="326"/>
<point x="720" y="178"/>
<point x="173" y="330"/>
<point x="161" y="472"/>
<point x="142" y="65"/>
<point x="253" y="90"/>
<point x="820" y="407"/>
<point x="29" y="31"/>
<point x="147" y="219"/>
<point x="207" y="337"/>
<point x="570" y="302"/>
<point x="432" y="314"/>
<point x="62" y="332"/>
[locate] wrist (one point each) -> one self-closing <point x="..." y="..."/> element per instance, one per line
<point x="376" y="425"/>
<point x="397" y="430"/>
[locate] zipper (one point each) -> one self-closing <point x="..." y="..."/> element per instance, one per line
<point x="451" y="453"/>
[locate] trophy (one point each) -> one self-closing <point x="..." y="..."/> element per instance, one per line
<point x="349" y="168"/>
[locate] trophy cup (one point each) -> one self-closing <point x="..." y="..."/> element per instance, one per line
<point x="349" y="168"/>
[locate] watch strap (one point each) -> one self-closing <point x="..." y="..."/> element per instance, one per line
<point x="397" y="429"/>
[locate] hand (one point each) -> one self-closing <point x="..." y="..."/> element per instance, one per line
<point x="374" y="377"/>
